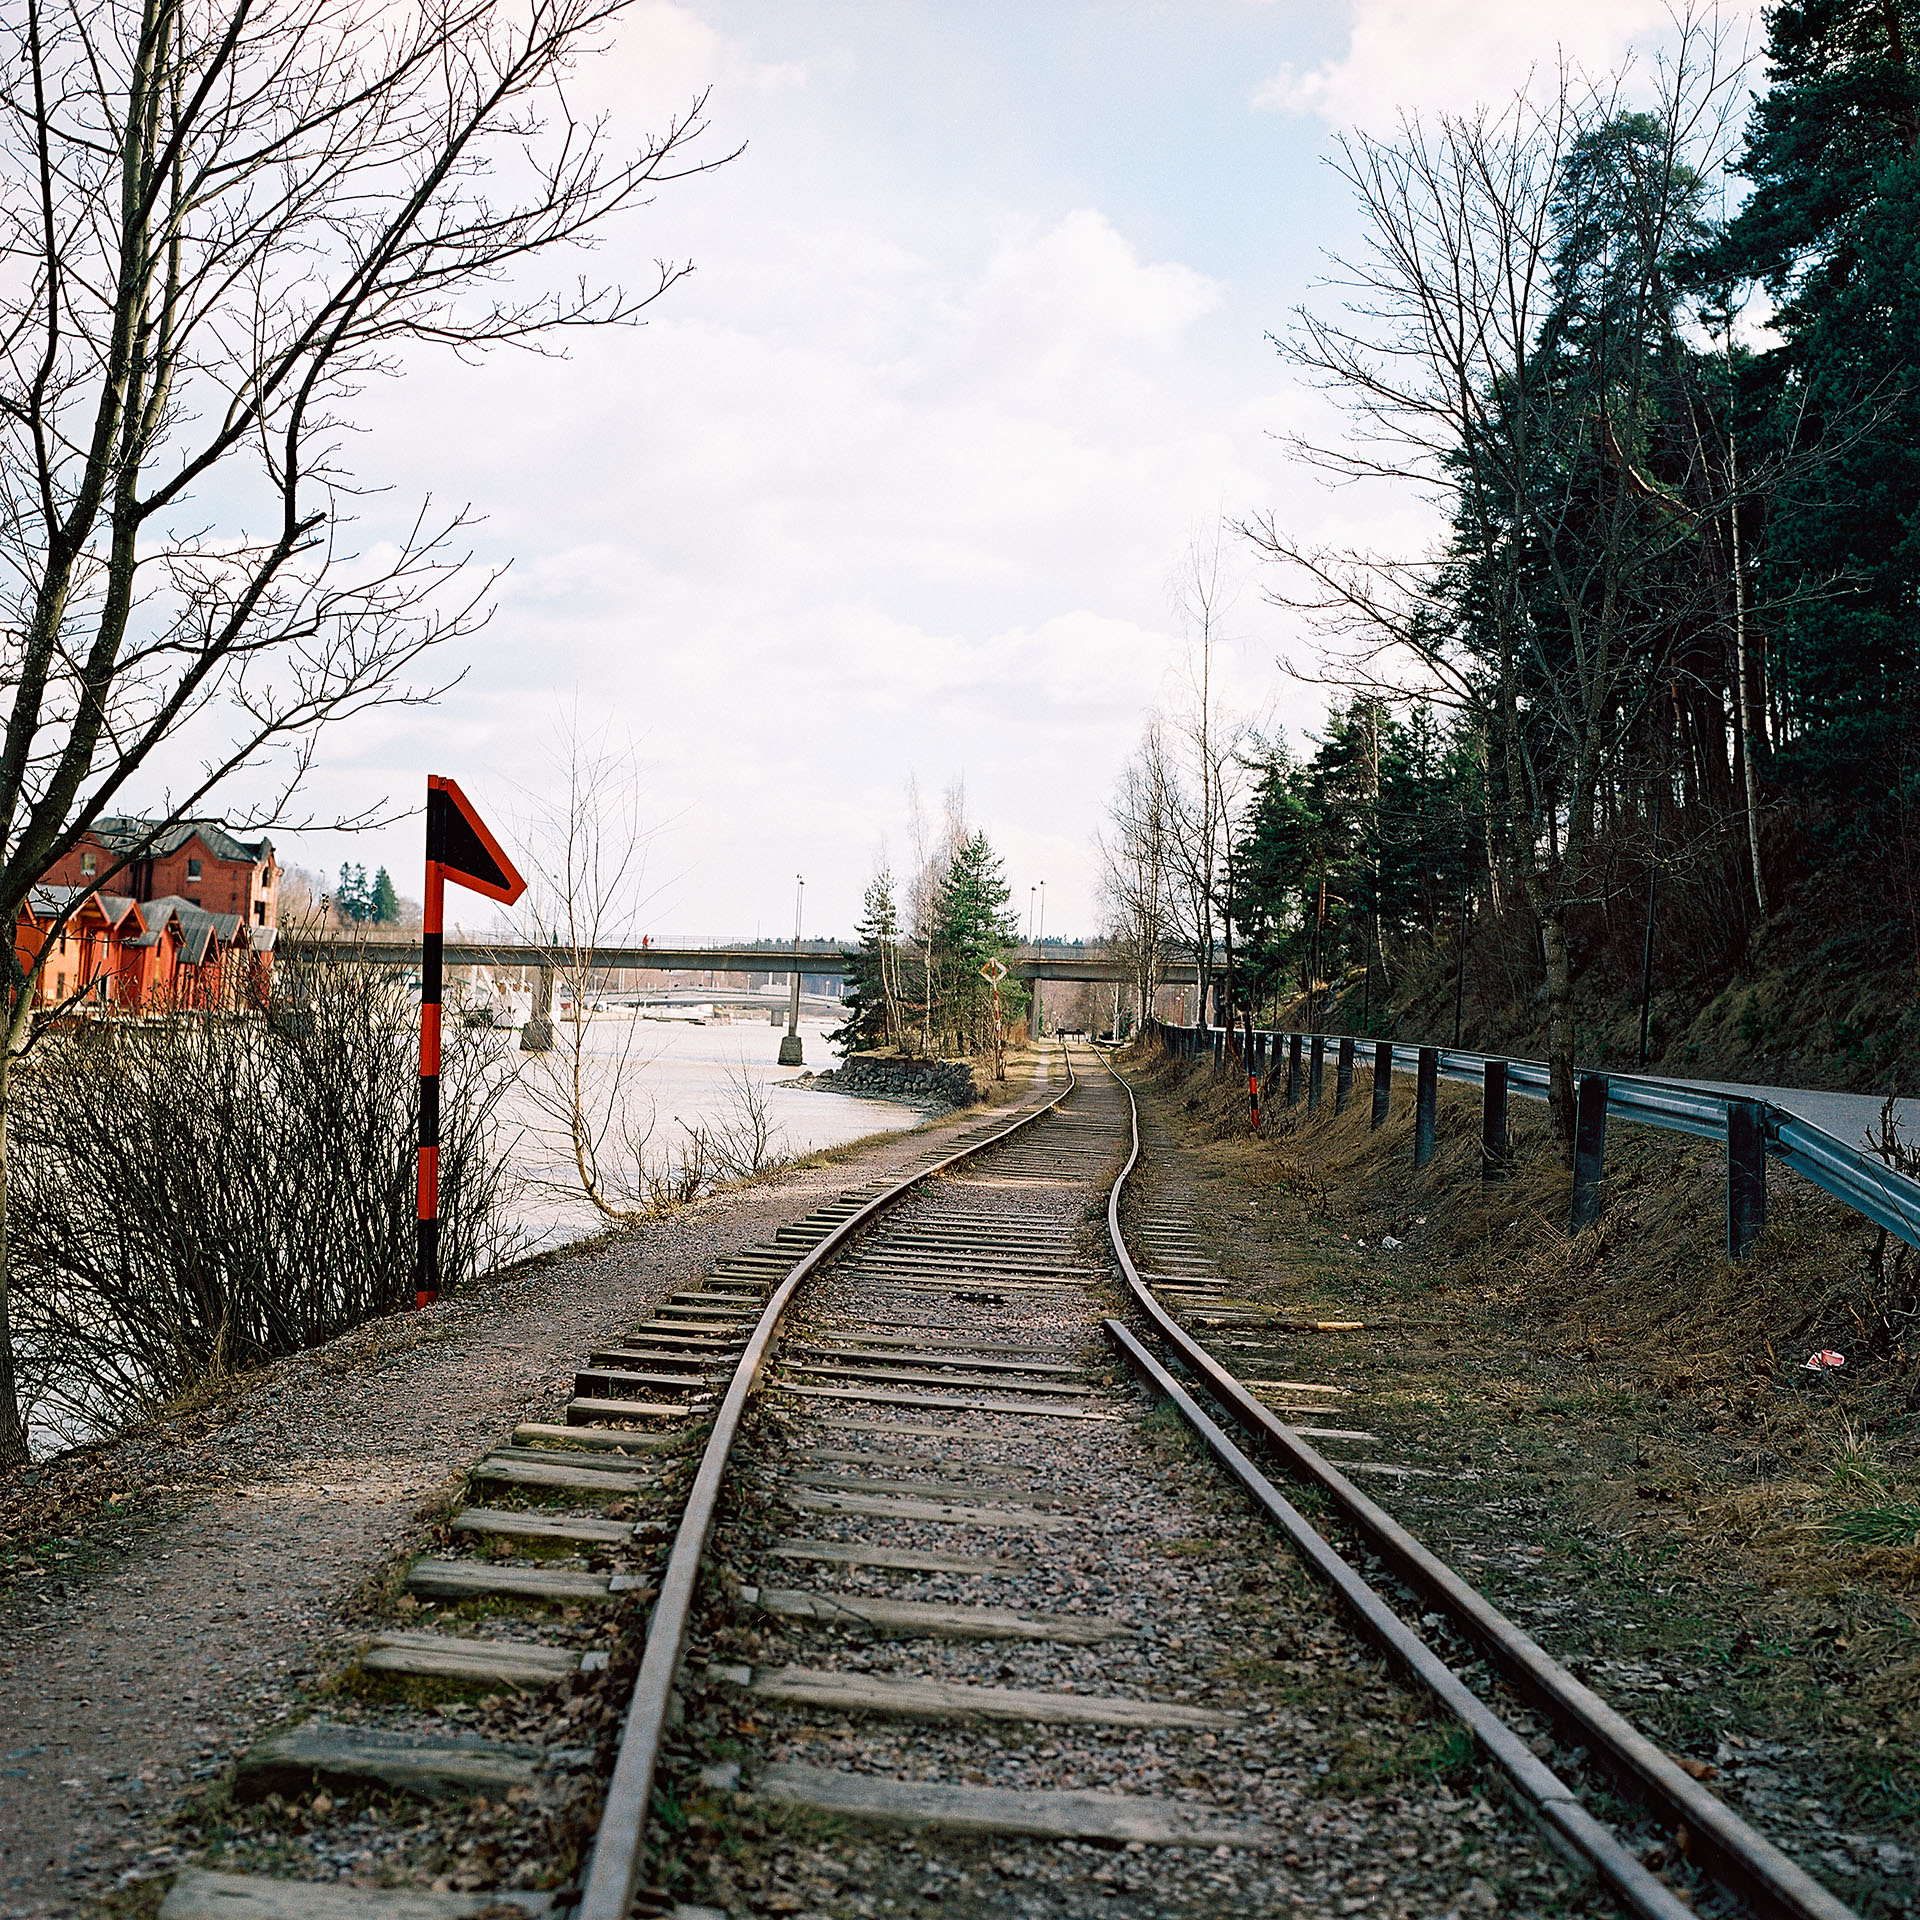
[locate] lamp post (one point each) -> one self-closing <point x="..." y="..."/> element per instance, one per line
<point x="790" y="1051"/>
<point x="1039" y="954"/>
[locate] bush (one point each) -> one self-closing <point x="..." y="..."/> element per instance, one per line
<point x="197" y="1193"/>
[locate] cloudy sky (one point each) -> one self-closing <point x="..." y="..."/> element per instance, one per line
<point x="890" y="489"/>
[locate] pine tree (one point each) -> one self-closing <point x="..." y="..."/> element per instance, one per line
<point x="972" y="925"/>
<point x="352" y="900"/>
<point x="872" y="1014"/>
<point x="1832" y="229"/>
<point x="383" y="903"/>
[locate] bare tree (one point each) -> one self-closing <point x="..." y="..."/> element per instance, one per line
<point x="220" y="220"/>
<point x="1450" y="357"/>
<point x="1135" y="870"/>
<point x="586" y="860"/>
<point x="1203" y="591"/>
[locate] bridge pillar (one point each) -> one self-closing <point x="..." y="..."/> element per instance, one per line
<point x="537" y="1035"/>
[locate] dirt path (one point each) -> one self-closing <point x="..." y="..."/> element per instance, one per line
<point x="147" y="1656"/>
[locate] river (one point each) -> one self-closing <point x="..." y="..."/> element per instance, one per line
<point x="680" y="1076"/>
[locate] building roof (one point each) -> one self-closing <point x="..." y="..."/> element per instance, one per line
<point x="47" y="900"/>
<point x="124" y="833"/>
<point x="202" y="934"/>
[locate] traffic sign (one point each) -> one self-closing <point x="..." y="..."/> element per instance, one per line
<point x="993" y="970"/>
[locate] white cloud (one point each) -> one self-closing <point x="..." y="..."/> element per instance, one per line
<point x="844" y="511"/>
<point x="1454" y="55"/>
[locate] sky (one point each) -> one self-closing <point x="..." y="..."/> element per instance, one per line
<point x="890" y="489"/>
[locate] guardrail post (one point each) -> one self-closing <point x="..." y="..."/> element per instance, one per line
<point x="1343" y="1075"/>
<point x="1382" y="1080"/>
<point x="1493" y="1121"/>
<point x="1316" y="1071"/>
<point x="1426" y="1108"/>
<point x="1293" y="1068"/>
<point x="1589" y="1150"/>
<point x="1746" y="1175"/>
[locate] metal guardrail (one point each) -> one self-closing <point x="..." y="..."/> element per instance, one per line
<point x="1874" y="1190"/>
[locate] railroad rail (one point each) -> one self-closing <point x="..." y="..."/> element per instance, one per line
<point x="938" y="1566"/>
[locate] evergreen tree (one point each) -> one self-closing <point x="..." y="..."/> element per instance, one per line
<point x="972" y="925"/>
<point x="872" y="1016"/>
<point x="383" y="903"/>
<point x="1832" y="229"/>
<point x="352" y="899"/>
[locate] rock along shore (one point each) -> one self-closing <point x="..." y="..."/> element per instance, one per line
<point x="936" y="1084"/>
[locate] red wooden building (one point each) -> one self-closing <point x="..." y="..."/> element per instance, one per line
<point x="141" y="956"/>
<point x="195" y="861"/>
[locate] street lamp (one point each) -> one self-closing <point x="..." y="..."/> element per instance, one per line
<point x="1039" y="943"/>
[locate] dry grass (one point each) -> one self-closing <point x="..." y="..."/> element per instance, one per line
<point x="1623" y="1442"/>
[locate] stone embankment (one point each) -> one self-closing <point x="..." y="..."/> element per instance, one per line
<point x="937" y="1084"/>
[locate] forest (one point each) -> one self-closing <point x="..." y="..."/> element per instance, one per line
<point x="1638" y="739"/>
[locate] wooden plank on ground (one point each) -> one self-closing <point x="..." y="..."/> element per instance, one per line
<point x="859" y="1553"/>
<point x="541" y="1526"/>
<point x="464" y="1579"/>
<point x="935" y="1353"/>
<point x="199" y="1895"/>
<point x="503" y="1663"/>
<point x="878" y="1397"/>
<point x="879" y="1506"/>
<point x="434" y="1765"/>
<point x="851" y="1423"/>
<point x="991" y="1495"/>
<point x="1116" y="1817"/>
<point x="876" y="1614"/>
<point x="538" y="1433"/>
<point x="584" y="1409"/>
<point x="948" y="1700"/>
<point x="542" y="1470"/>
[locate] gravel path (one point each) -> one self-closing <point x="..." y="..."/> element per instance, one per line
<point x="160" y="1646"/>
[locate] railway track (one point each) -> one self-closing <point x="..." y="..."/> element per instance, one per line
<point x="949" y="1607"/>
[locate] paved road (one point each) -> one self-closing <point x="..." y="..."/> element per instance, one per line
<point x="1850" y="1117"/>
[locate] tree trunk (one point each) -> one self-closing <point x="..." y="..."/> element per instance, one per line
<point x="13" y="1432"/>
<point x="1744" y="709"/>
<point x="1560" y="1098"/>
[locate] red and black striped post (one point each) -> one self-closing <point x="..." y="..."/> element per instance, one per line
<point x="460" y="849"/>
<point x="426" y="1285"/>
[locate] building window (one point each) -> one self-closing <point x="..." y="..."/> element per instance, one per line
<point x="88" y="861"/>
<point x="193" y="872"/>
<point x="260" y="913"/>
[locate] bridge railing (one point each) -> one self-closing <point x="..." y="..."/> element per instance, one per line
<point x="1752" y="1128"/>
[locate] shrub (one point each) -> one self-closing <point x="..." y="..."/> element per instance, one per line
<point x="195" y="1193"/>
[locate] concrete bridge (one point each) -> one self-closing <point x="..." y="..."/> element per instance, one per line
<point x="814" y="957"/>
